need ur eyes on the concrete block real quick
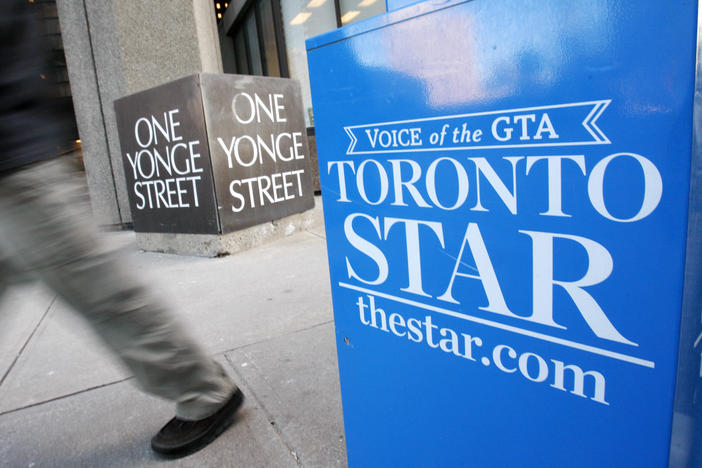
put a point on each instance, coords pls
(212, 245)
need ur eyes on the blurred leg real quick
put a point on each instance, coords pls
(46, 235)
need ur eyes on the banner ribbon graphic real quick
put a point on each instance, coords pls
(556, 125)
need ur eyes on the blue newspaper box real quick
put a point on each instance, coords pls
(511, 199)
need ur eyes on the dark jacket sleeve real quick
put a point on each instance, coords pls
(30, 124)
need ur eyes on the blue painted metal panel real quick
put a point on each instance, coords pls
(505, 187)
(380, 21)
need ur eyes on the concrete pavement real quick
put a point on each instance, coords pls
(265, 314)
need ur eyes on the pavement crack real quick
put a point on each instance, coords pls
(26, 342)
(268, 414)
(68, 395)
(315, 234)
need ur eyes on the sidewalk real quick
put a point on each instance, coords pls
(265, 314)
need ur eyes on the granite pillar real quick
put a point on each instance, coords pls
(116, 48)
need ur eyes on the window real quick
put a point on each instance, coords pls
(303, 19)
(267, 37)
(351, 11)
(252, 43)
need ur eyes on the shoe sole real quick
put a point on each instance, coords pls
(217, 429)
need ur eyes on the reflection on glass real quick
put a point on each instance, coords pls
(300, 18)
(349, 16)
(319, 17)
(242, 66)
(254, 49)
(357, 10)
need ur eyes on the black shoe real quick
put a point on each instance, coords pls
(180, 438)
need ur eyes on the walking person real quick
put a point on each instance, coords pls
(44, 235)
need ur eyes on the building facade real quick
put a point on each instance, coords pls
(115, 48)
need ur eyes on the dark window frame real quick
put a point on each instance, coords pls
(337, 10)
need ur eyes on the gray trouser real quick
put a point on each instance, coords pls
(43, 233)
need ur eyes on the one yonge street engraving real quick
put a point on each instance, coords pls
(247, 150)
(458, 193)
(165, 168)
(213, 154)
